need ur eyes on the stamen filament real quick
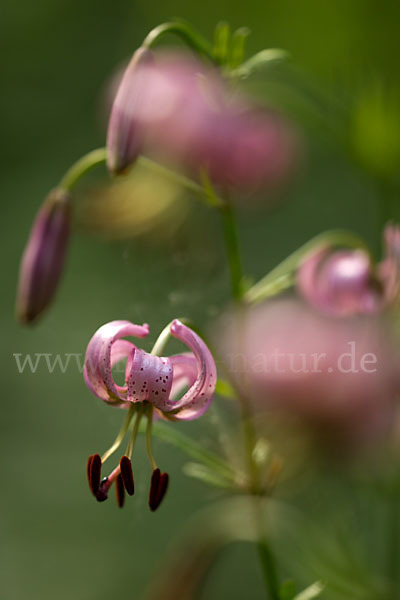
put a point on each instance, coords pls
(132, 440)
(148, 438)
(119, 439)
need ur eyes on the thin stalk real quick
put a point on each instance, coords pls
(266, 558)
(98, 157)
(268, 569)
(192, 38)
(82, 166)
(232, 249)
(173, 176)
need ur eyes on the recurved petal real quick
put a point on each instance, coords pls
(106, 349)
(198, 397)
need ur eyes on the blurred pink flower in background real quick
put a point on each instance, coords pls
(340, 373)
(345, 282)
(175, 108)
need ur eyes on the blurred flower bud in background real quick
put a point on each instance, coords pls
(175, 108)
(345, 282)
(43, 259)
(337, 375)
(125, 135)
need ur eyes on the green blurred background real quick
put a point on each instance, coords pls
(56, 542)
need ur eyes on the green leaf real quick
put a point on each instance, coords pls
(312, 591)
(207, 475)
(262, 60)
(193, 449)
(224, 389)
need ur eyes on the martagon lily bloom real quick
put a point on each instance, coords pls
(153, 387)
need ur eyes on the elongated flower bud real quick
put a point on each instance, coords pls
(125, 136)
(43, 259)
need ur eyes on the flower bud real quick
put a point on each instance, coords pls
(125, 135)
(43, 258)
(340, 283)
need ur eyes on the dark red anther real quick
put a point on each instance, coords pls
(163, 486)
(95, 473)
(127, 475)
(88, 467)
(120, 491)
(158, 488)
(153, 494)
(102, 492)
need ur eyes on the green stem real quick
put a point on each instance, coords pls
(164, 337)
(185, 182)
(268, 569)
(82, 166)
(192, 38)
(97, 157)
(235, 267)
(232, 249)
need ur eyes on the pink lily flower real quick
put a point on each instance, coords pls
(152, 387)
(345, 283)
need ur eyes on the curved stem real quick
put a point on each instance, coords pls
(98, 157)
(192, 38)
(82, 166)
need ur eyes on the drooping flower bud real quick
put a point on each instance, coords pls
(125, 129)
(173, 107)
(43, 259)
(340, 283)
